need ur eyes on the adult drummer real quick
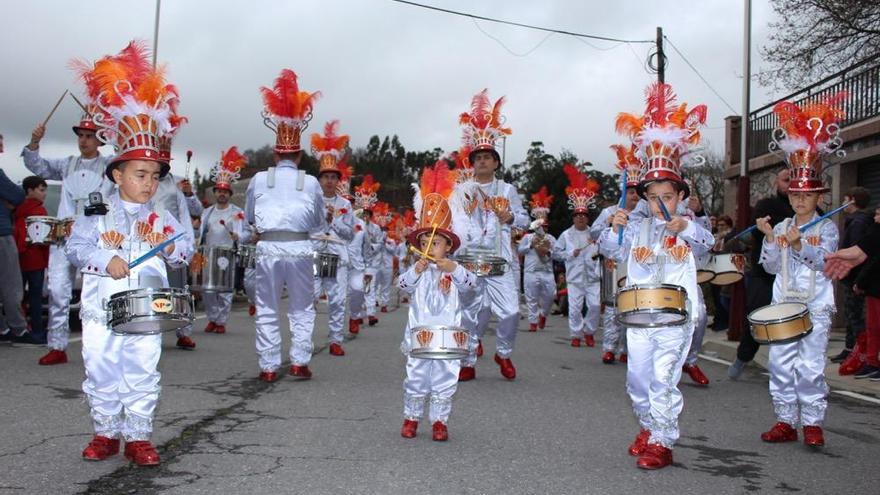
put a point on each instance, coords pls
(483, 222)
(80, 175)
(222, 225)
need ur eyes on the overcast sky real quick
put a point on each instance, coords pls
(382, 67)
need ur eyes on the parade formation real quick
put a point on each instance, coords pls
(632, 270)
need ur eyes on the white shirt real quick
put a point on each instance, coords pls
(79, 177)
(217, 224)
(533, 262)
(584, 267)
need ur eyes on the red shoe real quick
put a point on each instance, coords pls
(360, 321)
(781, 432)
(813, 436)
(405, 300)
(575, 342)
(640, 443)
(142, 453)
(101, 448)
(220, 329)
(252, 310)
(533, 327)
(507, 369)
(696, 374)
(354, 327)
(383, 309)
(542, 322)
(655, 457)
(268, 376)
(590, 340)
(210, 327)
(53, 357)
(336, 350)
(408, 430)
(372, 320)
(301, 371)
(608, 357)
(622, 357)
(439, 433)
(467, 373)
(186, 343)
(479, 348)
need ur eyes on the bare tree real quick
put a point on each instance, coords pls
(815, 38)
(708, 182)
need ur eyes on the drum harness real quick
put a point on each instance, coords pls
(789, 291)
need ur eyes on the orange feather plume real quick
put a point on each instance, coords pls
(330, 140)
(483, 114)
(232, 160)
(437, 179)
(797, 121)
(368, 186)
(285, 100)
(409, 218)
(541, 199)
(132, 64)
(344, 172)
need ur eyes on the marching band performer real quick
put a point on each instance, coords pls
(581, 257)
(536, 246)
(366, 244)
(122, 380)
(286, 206)
(436, 285)
(222, 226)
(484, 210)
(80, 176)
(659, 251)
(693, 211)
(385, 256)
(797, 369)
(330, 149)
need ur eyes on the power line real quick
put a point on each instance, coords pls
(689, 64)
(524, 54)
(511, 23)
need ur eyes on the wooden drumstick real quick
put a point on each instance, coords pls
(57, 103)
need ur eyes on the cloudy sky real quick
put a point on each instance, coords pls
(382, 67)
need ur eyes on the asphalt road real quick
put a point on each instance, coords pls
(562, 426)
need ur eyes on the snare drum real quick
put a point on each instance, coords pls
(652, 306)
(326, 265)
(438, 342)
(483, 265)
(608, 282)
(149, 311)
(62, 230)
(40, 230)
(705, 273)
(728, 268)
(621, 273)
(780, 323)
(216, 272)
(247, 256)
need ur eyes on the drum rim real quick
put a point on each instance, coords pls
(150, 291)
(437, 327)
(681, 312)
(801, 314)
(480, 258)
(40, 218)
(782, 341)
(654, 286)
(718, 274)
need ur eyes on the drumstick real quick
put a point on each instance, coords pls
(621, 205)
(84, 109)
(152, 252)
(804, 227)
(422, 254)
(55, 108)
(189, 155)
(664, 210)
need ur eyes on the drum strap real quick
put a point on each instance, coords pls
(284, 236)
(789, 292)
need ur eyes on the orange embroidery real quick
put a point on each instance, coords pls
(813, 240)
(642, 253)
(461, 338)
(679, 252)
(112, 239)
(424, 337)
(445, 283)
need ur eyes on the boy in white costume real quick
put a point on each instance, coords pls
(535, 247)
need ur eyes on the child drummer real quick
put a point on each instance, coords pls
(660, 250)
(122, 380)
(797, 369)
(435, 285)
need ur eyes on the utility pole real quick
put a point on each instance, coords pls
(156, 33)
(661, 58)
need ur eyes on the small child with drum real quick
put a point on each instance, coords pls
(122, 380)
(434, 340)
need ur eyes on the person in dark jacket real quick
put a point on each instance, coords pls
(10, 273)
(33, 258)
(867, 284)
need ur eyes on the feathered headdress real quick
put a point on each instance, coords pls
(227, 171)
(343, 188)
(805, 133)
(431, 203)
(365, 194)
(409, 221)
(330, 148)
(483, 124)
(382, 213)
(287, 111)
(628, 163)
(663, 135)
(581, 190)
(464, 170)
(540, 203)
(135, 104)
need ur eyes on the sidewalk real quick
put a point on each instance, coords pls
(715, 344)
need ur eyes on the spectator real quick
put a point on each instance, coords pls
(721, 294)
(867, 283)
(856, 225)
(10, 290)
(33, 258)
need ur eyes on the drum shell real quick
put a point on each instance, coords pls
(149, 311)
(62, 230)
(44, 228)
(782, 329)
(445, 342)
(608, 282)
(218, 272)
(483, 265)
(727, 267)
(246, 256)
(647, 300)
(326, 265)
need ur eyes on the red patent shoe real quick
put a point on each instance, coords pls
(210, 327)
(696, 374)
(640, 443)
(655, 457)
(467, 373)
(186, 343)
(372, 320)
(101, 448)
(53, 357)
(533, 327)
(622, 358)
(575, 342)
(479, 348)
(142, 453)
(781, 432)
(301, 371)
(439, 433)
(268, 376)
(252, 310)
(590, 341)
(813, 436)
(542, 322)
(220, 329)
(408, 430)
(507, 369)
(336, 350)
(608, 357)
(383, 309)
(354, 327)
